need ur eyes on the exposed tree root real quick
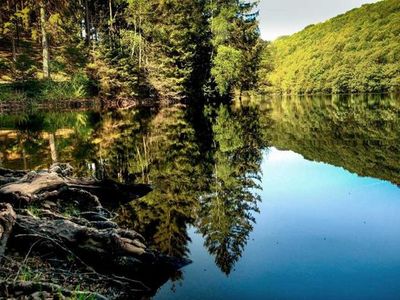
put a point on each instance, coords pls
(7, 221)
(63, 218)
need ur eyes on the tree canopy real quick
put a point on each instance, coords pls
(358, 51)
(170, 49)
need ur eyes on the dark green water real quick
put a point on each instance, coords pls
(293, 198)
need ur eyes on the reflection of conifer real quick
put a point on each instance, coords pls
(174, 175)
(226, 217)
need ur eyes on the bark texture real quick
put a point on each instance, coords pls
(62, 217)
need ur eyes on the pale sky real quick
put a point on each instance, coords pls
(284, 17)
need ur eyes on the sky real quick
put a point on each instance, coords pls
(285, 17)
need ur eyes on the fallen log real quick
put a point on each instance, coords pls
(39, 186)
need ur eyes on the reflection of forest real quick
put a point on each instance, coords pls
(206, 179)
(227, 213)
(212, 188)
(358, 133)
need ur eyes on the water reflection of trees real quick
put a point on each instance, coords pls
(227, 212)
(117, 137)
(35, 141)
(206, 179)
(212, 188)
(360, 133)
(175, 174)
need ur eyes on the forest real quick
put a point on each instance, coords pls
(358, 51)
(180, 50)
(127, 48)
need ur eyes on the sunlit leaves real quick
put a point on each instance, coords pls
(226, 69)
(354, 52)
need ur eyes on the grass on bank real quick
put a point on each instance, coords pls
(36, 90)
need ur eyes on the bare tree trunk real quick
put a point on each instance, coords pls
(45, 43)
(140, 44)
(16, 24)
(14, 51)
(87, 23)
(111, 16)
(53, 149)
(13, 46)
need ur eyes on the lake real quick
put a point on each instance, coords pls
(278, 198)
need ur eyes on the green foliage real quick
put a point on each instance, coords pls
(354, 52)
(235, 40)
(25, 67)
(133, 48)
(78, 87)
(360, 133)
(27, 274)
(227, 211)
(39, 90)
(222, 26)
(226, 69)
(174, 174)
(8, 92)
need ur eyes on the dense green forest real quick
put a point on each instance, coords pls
(201, 49)
(127, 48)
(355, 52)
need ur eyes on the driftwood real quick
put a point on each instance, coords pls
(63, 216)
(39, 186)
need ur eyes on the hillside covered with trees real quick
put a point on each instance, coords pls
(358, 51)
(127, 48)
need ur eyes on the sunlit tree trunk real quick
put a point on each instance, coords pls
(111, 16)
(13, 44)
(45, 42)
(53, 150)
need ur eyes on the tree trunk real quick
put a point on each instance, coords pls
(14, 51)
(111, 26)
(140, 44)
(45, 42)
(53, 149)
(87, 24)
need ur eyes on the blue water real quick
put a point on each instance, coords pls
(322, 233)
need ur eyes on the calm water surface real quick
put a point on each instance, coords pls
(292, 198)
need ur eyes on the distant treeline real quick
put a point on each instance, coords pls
(355, 52)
